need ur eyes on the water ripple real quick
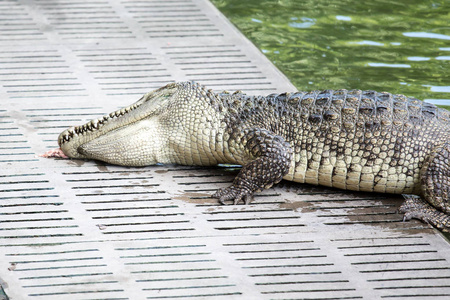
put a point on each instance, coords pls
(427, 35)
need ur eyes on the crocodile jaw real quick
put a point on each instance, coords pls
(129, 136)
(138, 144)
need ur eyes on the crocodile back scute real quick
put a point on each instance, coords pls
(352, 139)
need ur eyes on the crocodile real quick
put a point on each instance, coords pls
(349, 139)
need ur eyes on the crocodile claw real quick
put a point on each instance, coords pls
(416, 208)
(232, 193)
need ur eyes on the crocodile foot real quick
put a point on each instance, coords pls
(415, 207)
(233, 193)
(269, 157)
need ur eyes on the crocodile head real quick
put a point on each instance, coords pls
(130, 136)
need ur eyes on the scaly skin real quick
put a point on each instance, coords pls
(354, 140)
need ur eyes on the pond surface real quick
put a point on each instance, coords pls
(398, 46)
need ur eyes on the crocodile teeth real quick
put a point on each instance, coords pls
(94, 124)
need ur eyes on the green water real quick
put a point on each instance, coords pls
(399, 46)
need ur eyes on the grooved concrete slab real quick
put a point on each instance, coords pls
(86, 230)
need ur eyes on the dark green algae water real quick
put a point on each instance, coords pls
(400, 46)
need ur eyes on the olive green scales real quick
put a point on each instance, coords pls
(355, 140)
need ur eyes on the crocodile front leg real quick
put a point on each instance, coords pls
(270, 158)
